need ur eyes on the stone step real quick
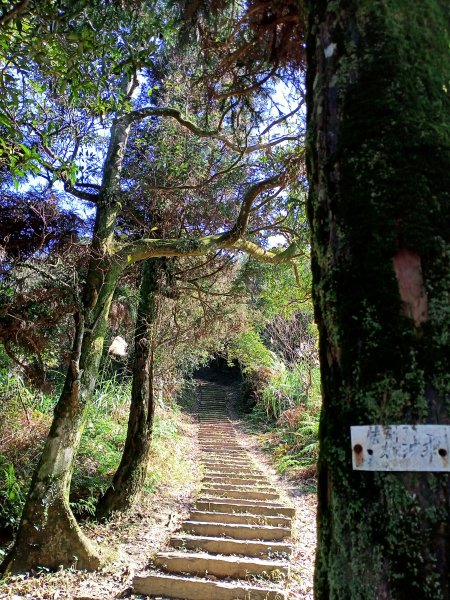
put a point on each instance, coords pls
(217, 431)
(258, 480)
(226, 440)
(255, 507)
(210, 440)
(208, 437)
(209, 434)
(226, 451)
(232, 453)
(220, 415)
(239, 514)
(230, 461)
(226, 447)
(236, 531)
(233, 487)
(201, 564)
(189, 588)
(214, 414)
(230, 471)
(243, 518)
(238, 471)
(230, 468)
(219, 411)
(212, 403)
(241, 495)
(222, 545)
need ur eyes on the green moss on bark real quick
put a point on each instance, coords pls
(379, 167)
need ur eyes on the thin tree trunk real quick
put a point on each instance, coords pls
(130, 476)
(48, 534)
(379, 165)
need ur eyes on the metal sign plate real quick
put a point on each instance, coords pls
(401, 447)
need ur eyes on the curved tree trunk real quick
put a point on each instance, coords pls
(48, 534)
(130, 476)
(379, 207)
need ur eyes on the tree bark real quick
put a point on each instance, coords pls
(48, 534)
(379, 208)
(130, 476)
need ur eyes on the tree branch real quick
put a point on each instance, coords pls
(80, 193)
(231, 240)
(215, 134)
(150, 248)
(252, 193)
(196, 186)
(250, 89)
(14, 12)
(283, 118)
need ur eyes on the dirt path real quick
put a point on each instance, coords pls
(148, 531)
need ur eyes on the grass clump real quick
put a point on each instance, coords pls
(286, 417)
(170, 447)
(25, 419)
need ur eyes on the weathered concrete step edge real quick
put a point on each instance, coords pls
(201, 564)
(227, 462)
(241, 501)
(216, 451)
(237, 531)
(235, 517)
(241, 495)
(220, 545)
(218, 468)
(214, 414)
(227, 447)
(188, 588)
(229, 472)
(227, 450)
(221, 436)
(254, 507)
(238, 487)
(256, 480)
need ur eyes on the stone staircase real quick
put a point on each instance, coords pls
(234, 544)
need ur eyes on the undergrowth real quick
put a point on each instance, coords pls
(25, 418)
(286, 418)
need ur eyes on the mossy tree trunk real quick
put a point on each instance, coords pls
(48, 534)
(130, 476)
(379, 207)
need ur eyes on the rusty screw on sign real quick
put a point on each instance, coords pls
(358, 450)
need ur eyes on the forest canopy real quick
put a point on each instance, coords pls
(153, 156)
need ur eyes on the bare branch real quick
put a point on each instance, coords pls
(208, 275)
(82, 195)
(283, 118)
(297, 275)
(270, 144)
(92, 186)
(199, 266)
(248, 90)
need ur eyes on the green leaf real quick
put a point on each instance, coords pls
(26, 150)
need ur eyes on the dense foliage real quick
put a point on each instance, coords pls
(122, 142)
